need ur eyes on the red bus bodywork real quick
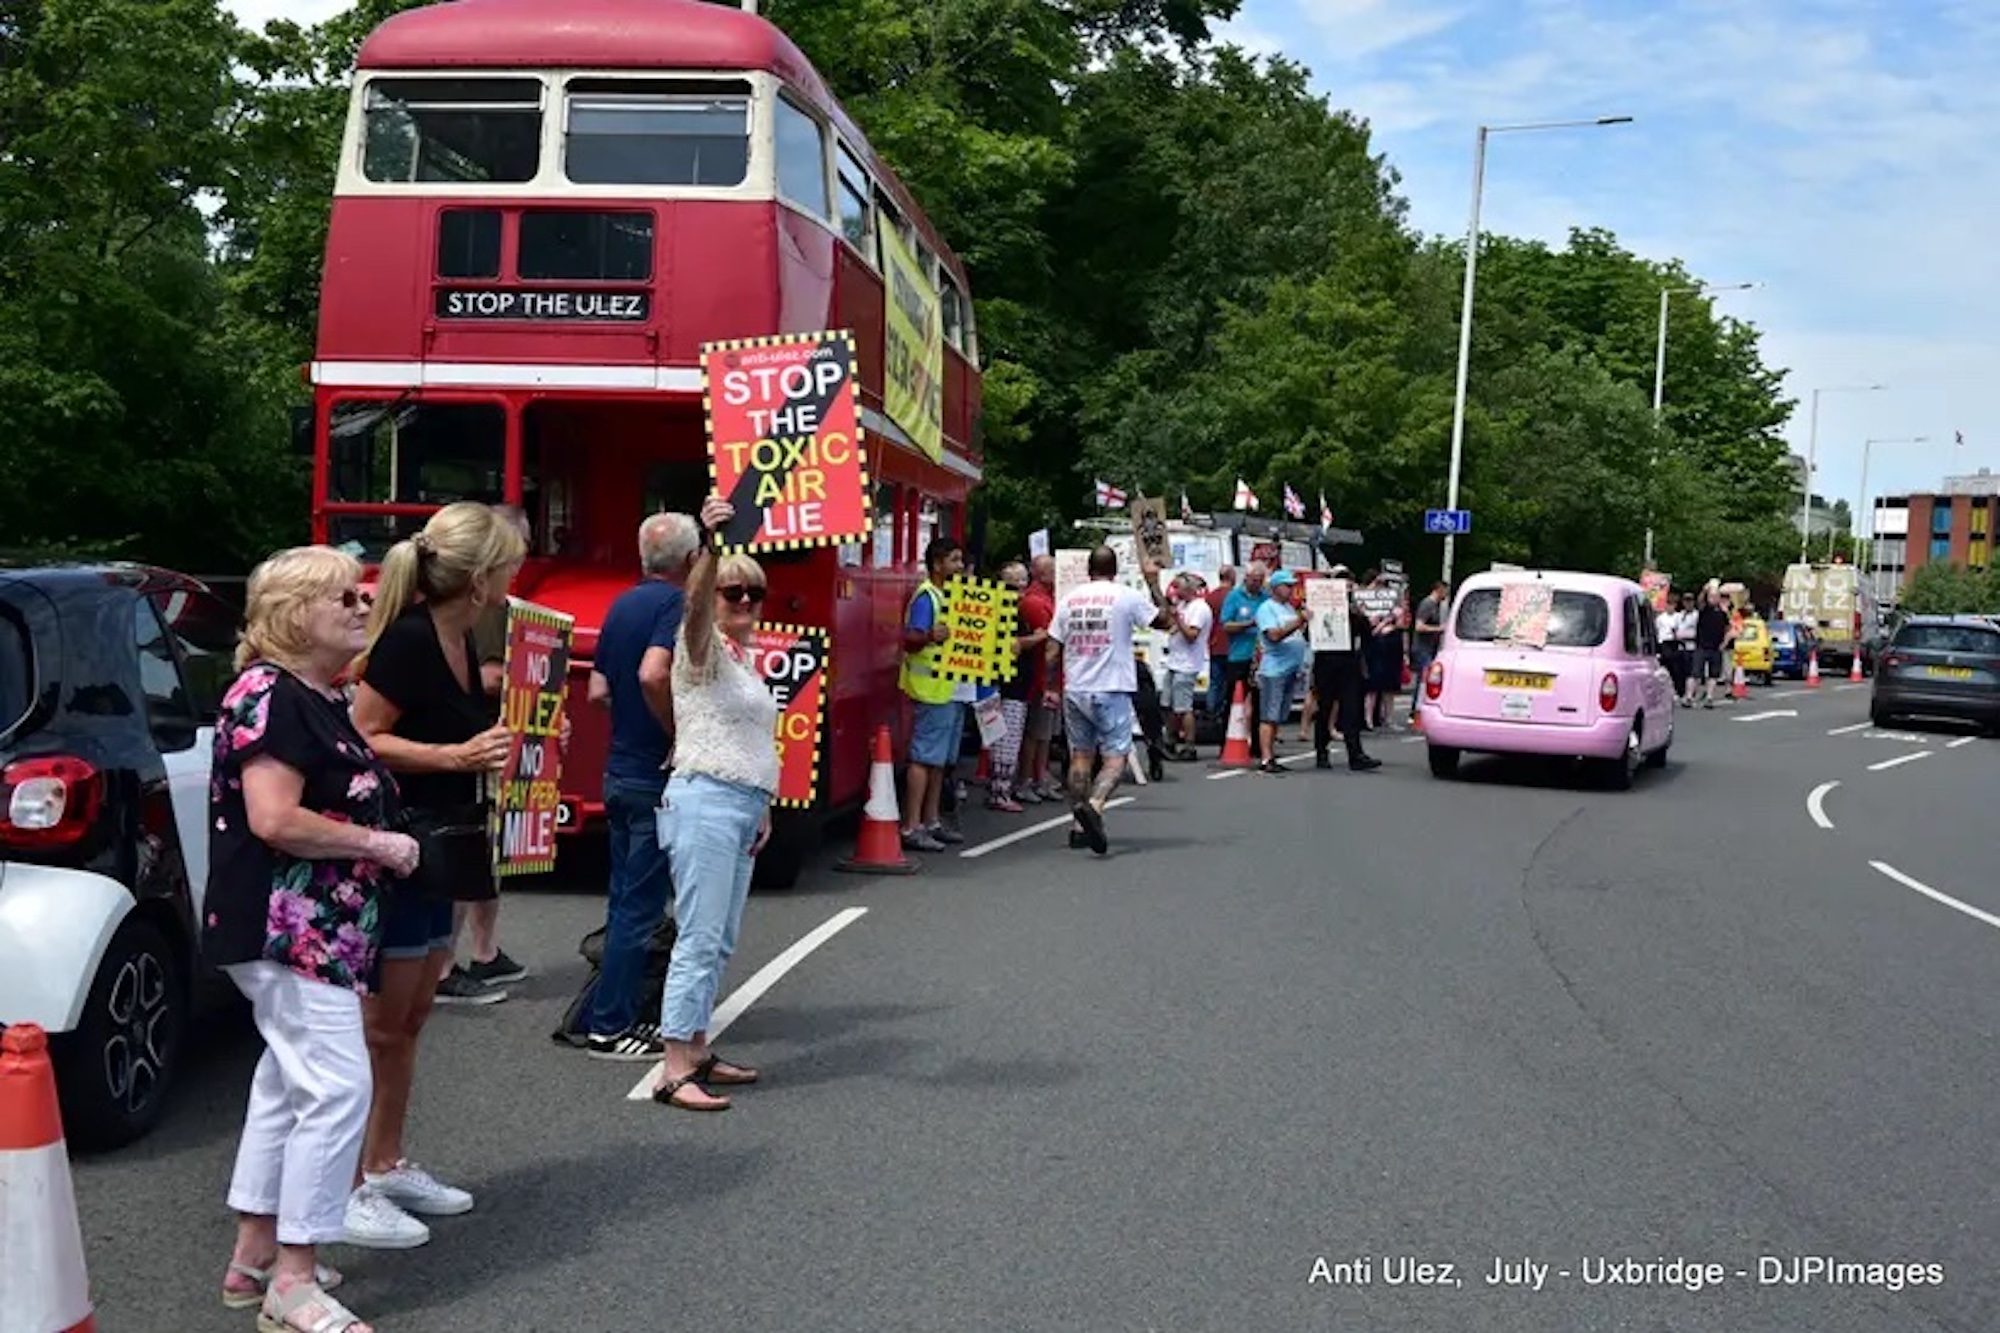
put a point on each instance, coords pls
(451, 365)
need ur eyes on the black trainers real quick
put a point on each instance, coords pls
(1367, 763)
(459, 987)
(641, 1042)
(1093, 826)
(1321, 760)
(497, 970)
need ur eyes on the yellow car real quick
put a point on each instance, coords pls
(1754, 650)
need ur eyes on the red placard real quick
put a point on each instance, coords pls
(784, 441)
(530, 786)
(792, 661)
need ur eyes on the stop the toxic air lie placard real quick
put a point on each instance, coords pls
(791, 659)
(784, 441)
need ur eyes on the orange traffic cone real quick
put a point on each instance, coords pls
(47, 1291)
(1236, 744)
(1739, 686)
(1812, 670)
(879, 848)
(1854, 668)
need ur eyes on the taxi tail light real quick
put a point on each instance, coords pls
(1607, 692)
(1434, 680)
(1894, 660)
(48, 801)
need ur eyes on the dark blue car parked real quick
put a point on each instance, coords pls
(1791, 646)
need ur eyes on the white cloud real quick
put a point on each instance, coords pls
(1361, 28)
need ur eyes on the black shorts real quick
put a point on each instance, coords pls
(1708, 663)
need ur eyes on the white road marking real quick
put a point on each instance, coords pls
(1786, 694)
(1852, 685)
(1962, 740)
(1899, 759)
(1929, 892)
(1775, 712)
(1910, 737)
(1816, 804)
(1843, 731)
(1022, 835)
(1286, 760)
(752, 990)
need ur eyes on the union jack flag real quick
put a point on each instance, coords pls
(1109, 496)
(1294, 507)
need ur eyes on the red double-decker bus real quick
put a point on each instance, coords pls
(542, 211)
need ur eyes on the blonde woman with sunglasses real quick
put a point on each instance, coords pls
(716, 814)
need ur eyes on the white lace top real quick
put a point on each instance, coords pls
(725, 719)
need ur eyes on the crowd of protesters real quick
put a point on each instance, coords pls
(353, 760)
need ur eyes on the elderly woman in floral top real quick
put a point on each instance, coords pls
(302, 852)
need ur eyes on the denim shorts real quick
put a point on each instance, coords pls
(1180, 691)
(1274, 697)
(936, 734)
(1098, 723)
(414, 924)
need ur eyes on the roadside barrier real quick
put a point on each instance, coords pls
(41, 1243)
(878, 848)
(1236, 744)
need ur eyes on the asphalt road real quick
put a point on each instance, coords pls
(1366, 1019)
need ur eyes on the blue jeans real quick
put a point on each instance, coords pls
(1098, 723)
(1218, 688)
(712, 825)
(641, 884)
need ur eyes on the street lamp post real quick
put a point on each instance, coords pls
(1660, 383)
(1812, 459)
(1866, 446)
(1465, 313)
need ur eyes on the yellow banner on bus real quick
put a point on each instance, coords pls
(912, 347)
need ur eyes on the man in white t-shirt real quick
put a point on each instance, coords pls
(1187, 654)
(1092, 640)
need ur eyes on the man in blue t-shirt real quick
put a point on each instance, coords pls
(1281, 630)
(632, 678)
(1239, 622)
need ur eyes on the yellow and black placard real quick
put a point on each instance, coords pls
(982, 615)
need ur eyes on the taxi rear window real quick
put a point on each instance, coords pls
(1576, 619)
(1949, 639)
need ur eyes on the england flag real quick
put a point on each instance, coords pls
(1109, 496)
(1325, 514)
(1245, 497)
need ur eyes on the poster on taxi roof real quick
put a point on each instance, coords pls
(784, 441)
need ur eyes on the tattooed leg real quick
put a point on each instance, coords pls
(1107, 780)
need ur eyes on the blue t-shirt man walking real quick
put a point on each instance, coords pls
(631, 677)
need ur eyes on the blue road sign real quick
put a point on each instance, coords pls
(1438, 522)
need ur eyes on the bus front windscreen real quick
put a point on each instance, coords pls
(409, 454)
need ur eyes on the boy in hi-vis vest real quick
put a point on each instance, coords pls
(938, 728)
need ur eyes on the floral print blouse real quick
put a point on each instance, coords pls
(319, 918)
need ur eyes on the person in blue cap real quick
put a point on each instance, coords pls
(1281, 637)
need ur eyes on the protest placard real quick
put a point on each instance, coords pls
(1326, 616)
(1038, 542)
(784, 441)
(523, 818)
(981, 615)
(1149, 530)
(1524, 614)
(792, 661)
(1072, 570)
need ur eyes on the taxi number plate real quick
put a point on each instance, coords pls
(1518, 680)
(1517, 707)
(1952, 673)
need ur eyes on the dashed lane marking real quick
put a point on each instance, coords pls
(1022, 835)
(750, 991)
(1884, 868)
(1287, 760)
(1848, 730)
(1899, 759)
(1962, 740)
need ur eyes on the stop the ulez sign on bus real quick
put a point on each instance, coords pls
(784, 441)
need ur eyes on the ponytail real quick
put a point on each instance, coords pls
(395, 590)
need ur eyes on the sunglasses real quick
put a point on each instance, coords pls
(738, 593)
(353, 599)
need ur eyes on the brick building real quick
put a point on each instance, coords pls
(1955, 524)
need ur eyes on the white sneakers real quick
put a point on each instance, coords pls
(378, 1213)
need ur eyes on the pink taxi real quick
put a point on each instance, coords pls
(1553, 663)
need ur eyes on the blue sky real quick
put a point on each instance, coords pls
(1836, 151)
(1839, 152)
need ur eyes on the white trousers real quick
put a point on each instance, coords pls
(308, 1104)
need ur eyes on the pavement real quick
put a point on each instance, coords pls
(1322, 1051)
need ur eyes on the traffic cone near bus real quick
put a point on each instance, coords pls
(878, 850)
(1854, 668)
(47, 1291)
(1739, 684)
(1236, 743)
(1812, 669)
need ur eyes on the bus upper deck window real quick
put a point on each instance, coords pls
(655, 138)
(802, 160)
(468, 131)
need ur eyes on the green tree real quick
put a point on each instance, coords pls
(1951, 589)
